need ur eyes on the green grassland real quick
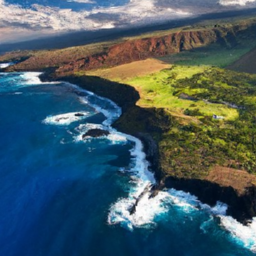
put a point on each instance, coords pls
(195, 141)
(162, 90)
(214, 54)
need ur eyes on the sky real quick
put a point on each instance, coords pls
(71, 15)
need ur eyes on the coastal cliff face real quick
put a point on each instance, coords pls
(241, 206)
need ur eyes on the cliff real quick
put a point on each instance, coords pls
(140, 49)
(109, 54)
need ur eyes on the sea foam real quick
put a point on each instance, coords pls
(244, 235)
(114, 137)
(67, 118)
(5, 65)
(31, 78)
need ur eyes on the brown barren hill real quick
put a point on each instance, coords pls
(126, 71)
(229, 177)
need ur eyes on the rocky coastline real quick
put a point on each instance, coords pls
(148, 124)
(242, 206)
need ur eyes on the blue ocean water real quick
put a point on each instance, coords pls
(61, 194)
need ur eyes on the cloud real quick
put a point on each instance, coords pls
(135, 12)
(236, 2)
(82, 1)
(39, 16)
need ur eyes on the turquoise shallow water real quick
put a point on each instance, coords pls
(62, 195)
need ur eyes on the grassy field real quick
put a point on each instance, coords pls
(158, 90)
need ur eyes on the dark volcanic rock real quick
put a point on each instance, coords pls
(241, 207)
(95, 133)
(79, 114)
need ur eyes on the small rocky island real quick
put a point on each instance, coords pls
(95, 133)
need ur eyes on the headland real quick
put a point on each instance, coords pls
(195, 118)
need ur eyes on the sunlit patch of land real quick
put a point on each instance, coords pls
(159, 90)
(128, 71)
(238, 179)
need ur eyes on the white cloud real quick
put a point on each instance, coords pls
(136, 11)
(82, 1)
(133, 13)
(236, 2)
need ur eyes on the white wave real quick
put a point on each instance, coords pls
(184, 200)
(244, 235)
(114, 137)
(31, 77)
(18, 80)
(146, 210)
(82, 128)
(5, 65)
(110, 110)
(220, 209)
(236, 2)
(149, 208)
(67, 118)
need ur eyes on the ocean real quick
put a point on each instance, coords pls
(62, 194)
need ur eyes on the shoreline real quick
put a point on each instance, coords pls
(241, 207)
(140, 199)
(176, 212)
